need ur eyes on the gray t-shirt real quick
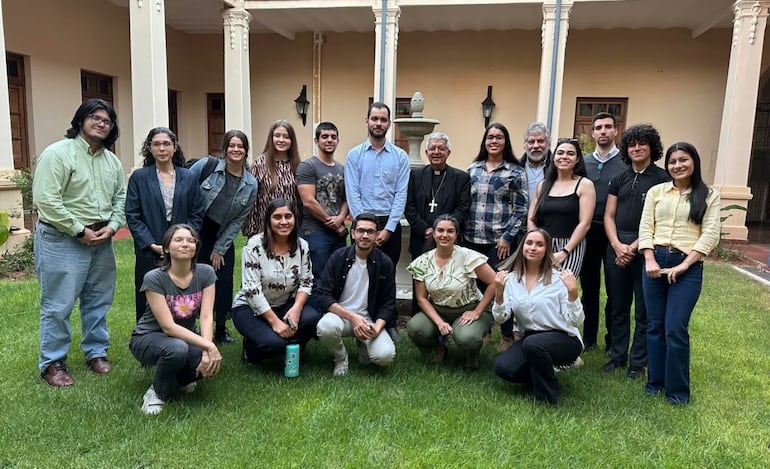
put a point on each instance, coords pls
(329, 188)
(184, 303)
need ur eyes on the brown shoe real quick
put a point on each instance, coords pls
(505, 342)
(439, 353)
(99, 365)
(56, 375)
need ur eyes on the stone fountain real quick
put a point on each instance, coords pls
(415, 129)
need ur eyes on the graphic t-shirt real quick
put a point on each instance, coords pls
(184, 303)
(329, 188)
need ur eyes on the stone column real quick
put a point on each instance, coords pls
(315, 100)
(736, 134)
(237, 77)
(10, 195)
(149, 81)
(548, 97)
(385, 54)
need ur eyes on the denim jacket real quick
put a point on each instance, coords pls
(239, 207)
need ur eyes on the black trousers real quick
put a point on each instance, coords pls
(490, 250)
(223, 293)
(530, 361)
(392, 248)
(590, 283)
(624, 285)
(145, 261)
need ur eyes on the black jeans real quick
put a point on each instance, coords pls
(174, 359)
(624, 285)
(223, 293)
(530, 361)
(590, 283)
(490, 250)
(145, 261)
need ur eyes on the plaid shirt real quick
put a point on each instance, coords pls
(499, 203)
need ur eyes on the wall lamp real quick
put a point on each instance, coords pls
(302, 104)
(486, 106)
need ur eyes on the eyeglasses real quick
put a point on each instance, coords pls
(162, 144)
(364, 231)
(98, 120)
(437, 149)
(498, 138)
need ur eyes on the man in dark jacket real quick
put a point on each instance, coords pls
(358, 291)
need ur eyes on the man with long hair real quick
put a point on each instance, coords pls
(79, 191)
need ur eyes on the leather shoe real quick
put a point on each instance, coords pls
(635, 373)
(56, 375)
(611, 366)
(99, 365)
(222, 336)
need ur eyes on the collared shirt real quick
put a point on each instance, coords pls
(73, 187)
(270, 280)
(377, 182)
(630, 187)
(544, 308)
(535, 174)
(665, 221)
(499, 203)
(600, 171)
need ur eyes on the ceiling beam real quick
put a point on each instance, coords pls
(288, 34)
(713, 18)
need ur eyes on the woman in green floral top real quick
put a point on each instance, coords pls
(447, 294)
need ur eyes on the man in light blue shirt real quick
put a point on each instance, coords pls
(537, 154)
(377, 179)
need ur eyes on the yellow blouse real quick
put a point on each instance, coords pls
(665, 221)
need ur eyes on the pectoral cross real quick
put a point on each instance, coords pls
(432, 205)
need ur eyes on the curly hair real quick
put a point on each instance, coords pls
(641, 133)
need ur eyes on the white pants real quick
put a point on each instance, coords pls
(332, 328)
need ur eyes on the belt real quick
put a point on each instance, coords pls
(93, 226)
(669, 249)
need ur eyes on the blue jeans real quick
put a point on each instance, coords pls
(68, 271)
(668, 314)
(322, 242)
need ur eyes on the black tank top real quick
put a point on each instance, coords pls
(560, 215)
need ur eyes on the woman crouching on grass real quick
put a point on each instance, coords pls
(178, 292)
(547, 315)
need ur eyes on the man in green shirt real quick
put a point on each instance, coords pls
(79, 192)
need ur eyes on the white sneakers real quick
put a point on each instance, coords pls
(189, 388)
(152, 404)
(341, 365)
(576, 364)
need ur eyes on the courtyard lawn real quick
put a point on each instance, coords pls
(411, 415)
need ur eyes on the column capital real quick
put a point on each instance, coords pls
(549, 9)
(156, 4)
(747, 14)
(235, 19)
(392, 12)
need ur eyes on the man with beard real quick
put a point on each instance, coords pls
(358, 291)
(537, 154)
(377, 179)
(602, 165)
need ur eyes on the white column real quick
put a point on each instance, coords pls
(546, 97)
(149, 81)
(385, 54)
(237, 77)
(315, 96)
(6, 143)
(736, 134)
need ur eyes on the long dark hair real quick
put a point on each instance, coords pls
(88, 108)
(229, 135)
(516, 263)
(269, 151)
(700, 190)
(267, 239)
(177, 159)
(551, 173)
(508, 154)
(165, 262)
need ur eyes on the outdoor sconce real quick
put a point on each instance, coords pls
(302, 103)
(486, 106)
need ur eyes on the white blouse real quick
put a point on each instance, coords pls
(545, 308)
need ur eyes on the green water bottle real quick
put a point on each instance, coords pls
(291, 368)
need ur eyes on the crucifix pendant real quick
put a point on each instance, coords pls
(432, 205)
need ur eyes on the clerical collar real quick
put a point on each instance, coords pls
(437, 172)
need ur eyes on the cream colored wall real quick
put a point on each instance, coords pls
(58, 47)
(671, 80)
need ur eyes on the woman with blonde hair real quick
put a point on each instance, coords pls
(275, 170)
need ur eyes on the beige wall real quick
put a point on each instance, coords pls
(671, 80)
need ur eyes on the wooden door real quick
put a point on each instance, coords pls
(215, 112)
(18, 106)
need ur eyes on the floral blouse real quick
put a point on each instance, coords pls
(269, 279)
(453, 285)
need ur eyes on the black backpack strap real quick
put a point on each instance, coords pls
(211, 165)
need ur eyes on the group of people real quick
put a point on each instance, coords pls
(503, 242)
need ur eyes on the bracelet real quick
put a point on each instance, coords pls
(565, 251)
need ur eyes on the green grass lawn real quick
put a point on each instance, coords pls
(411, 415)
